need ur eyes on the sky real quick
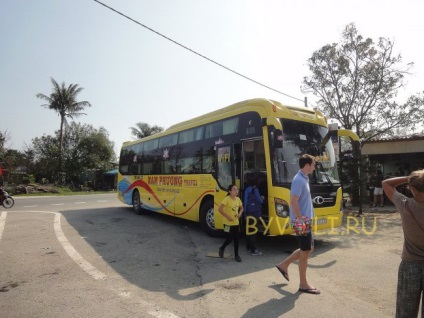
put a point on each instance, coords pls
(131, 74)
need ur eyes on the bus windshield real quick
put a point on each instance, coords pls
(303, 138)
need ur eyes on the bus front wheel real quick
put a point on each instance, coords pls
(137, 203)
(207, 219)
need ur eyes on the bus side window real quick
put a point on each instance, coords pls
(124, 169)
(208, 164)
(147, 168)
(135, 169)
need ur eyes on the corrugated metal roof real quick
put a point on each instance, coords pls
(412, 144)
(397, 138)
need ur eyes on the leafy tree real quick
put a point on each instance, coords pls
(63, 100)
(356, 82)
(13, 158)
(87, 149)
(4, 138)
(28, 159)
(142, 130)
(10, 161)
(46, 156)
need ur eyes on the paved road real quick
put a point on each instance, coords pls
(90, 256)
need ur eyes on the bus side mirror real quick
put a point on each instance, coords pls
(272, 121)
(356, 144)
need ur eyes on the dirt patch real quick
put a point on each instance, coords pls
(34, 189)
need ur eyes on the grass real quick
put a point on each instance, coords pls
(61, 193)
(52, 190)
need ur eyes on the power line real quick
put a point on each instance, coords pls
(187, 48)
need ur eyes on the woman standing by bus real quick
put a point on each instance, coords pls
(231, 208)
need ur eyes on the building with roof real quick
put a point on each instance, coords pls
(398, 155)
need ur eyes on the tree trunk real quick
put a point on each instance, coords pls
(62, 121)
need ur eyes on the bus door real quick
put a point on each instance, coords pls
(225, 166)
(225, 176)
(253, 167)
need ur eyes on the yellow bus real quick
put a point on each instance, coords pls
(185, 171)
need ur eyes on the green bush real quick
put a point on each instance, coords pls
(29, 178)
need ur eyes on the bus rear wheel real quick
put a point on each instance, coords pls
(137, 203)
(207, 220)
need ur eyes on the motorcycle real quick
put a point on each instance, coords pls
(5, 199)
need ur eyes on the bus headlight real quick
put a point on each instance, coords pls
(281, 208)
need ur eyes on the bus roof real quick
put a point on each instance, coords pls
(261, 105)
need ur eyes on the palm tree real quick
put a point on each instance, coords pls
(142, 130)
(63, 100)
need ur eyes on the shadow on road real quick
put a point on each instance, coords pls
(275, 307)
(165, 254)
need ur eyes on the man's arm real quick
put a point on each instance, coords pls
(389, 185)
(294, 202)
